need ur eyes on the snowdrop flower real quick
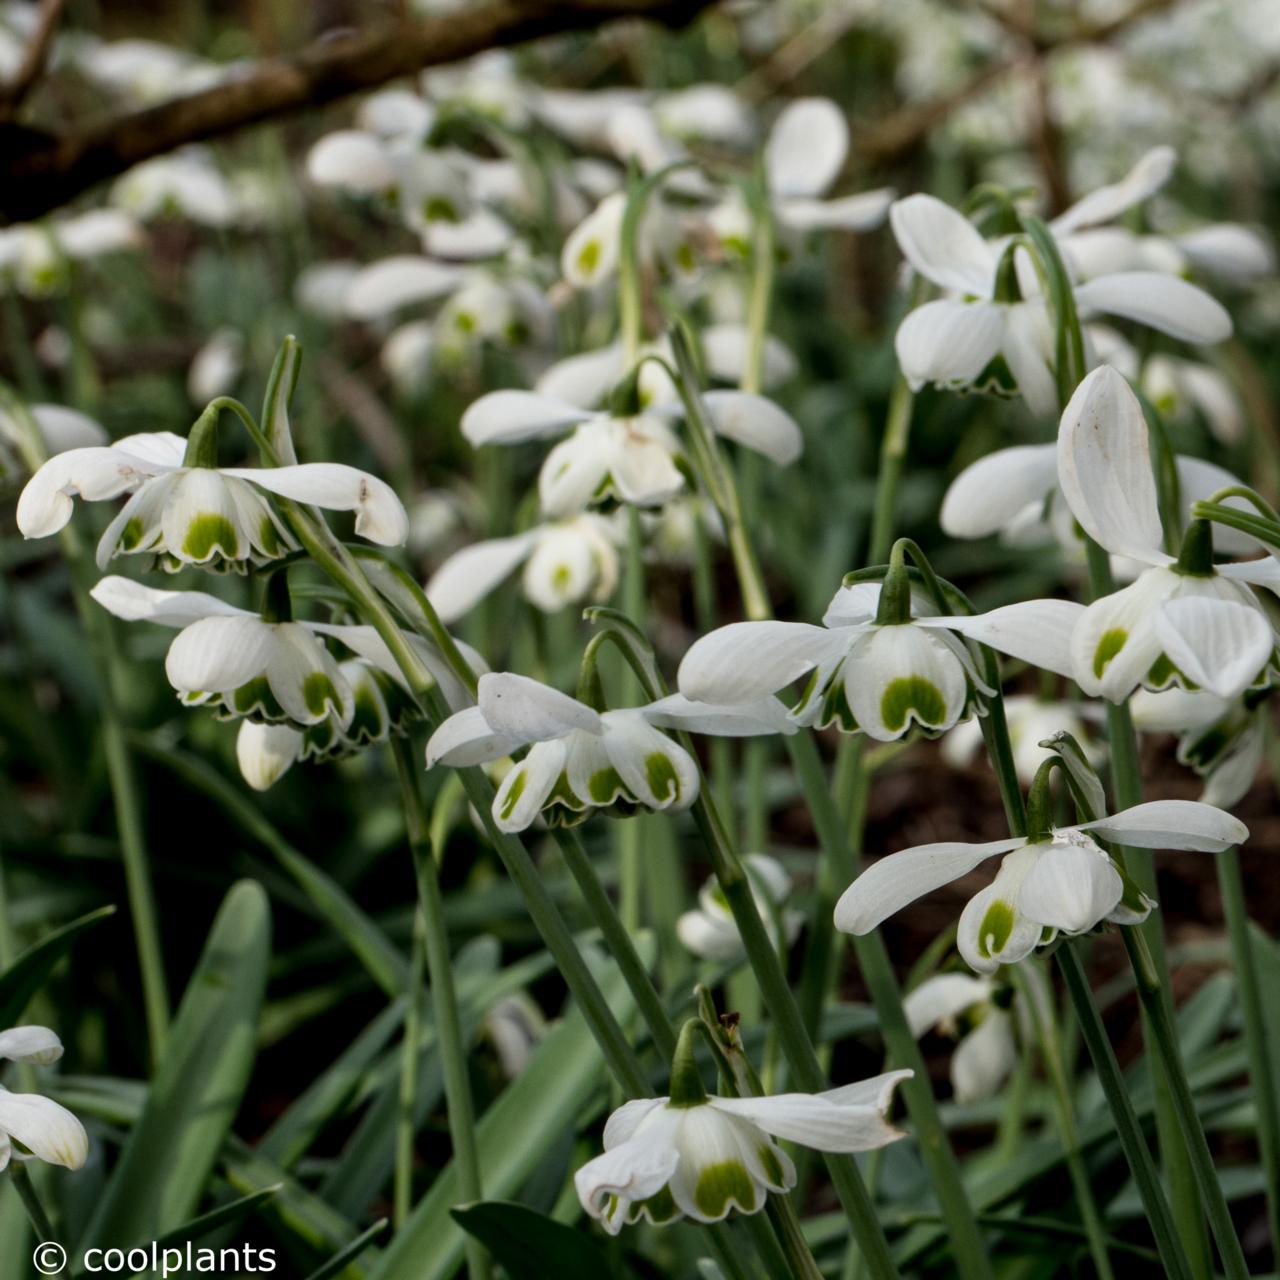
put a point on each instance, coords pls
(1222, 739)
(185, 185)
(266, 751)
(180, 514)
(277, 672)
(1180, 389)
(700, 1156)
(1055, 880)
(978, 338)
(705, 113)
(1031, 720)
(666, 237)
(583, 760)
(321, 288)
(1014, 493)
(566, 562)
(710, 931)
(47, 1130)
(635, 458)
(40, 257)
(146, 71)
(1182, 622)
(514, 1026)
(878, 677)
(803, 156)
(216, 367)
(60, 429)
(975, 1012)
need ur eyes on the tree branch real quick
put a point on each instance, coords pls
(41, 171)
(33, 63)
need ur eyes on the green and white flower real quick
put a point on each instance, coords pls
(1059, 881)
(216, 518)
(877, 677)
(46, 1130)
(1184, 622)
(582, 760)
(694, 1155)
(711, 933)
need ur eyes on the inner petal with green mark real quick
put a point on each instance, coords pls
(723, 1183)
(519, 780)
(1110, 643)
(996, 928)
(208, 533)
(318, 693)
(589, 257)
(664, 782)
(912, 695)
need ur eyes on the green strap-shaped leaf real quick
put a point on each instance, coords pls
(197, 1089)
(529, 1244)
(29, 972)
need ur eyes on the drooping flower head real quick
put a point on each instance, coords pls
(46, 1130)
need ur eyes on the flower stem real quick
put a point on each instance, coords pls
(1151, 991)
(444, 998)
(1046, 1033)
(402, 1197)
(1261, 1064)
(20, 1176)
(1168, 1242)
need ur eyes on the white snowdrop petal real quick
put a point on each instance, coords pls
(216, 655)
(583, 380)
(899, 676)
(748, 661)
(46, 1129)
(200, 520)
(1035, 631)
(947, 342)
(814, 1121)
(1229, 250)
(1159, 301)
(861, 212)
(466, 738)
(1071, 886)
(991, 492)
(941, 997)
(514, 704)
(351, 160)
(739, 720)
(943, 245)
(1172, 824)
(1104, 467)
(1218, 644)
(526, 787)
(64, 428)
(1114, 642)
(37, 1045)
(725, 350)
(658, 772)
(756, 422)
(984, 1059)
(806, 148)
(380, 515)
(631, 1171)
(266, 752)
(1146, 177)
(93, 474)
(891, 883)
(136, 602)
(391, 283)
(467, 576)
(505, 417)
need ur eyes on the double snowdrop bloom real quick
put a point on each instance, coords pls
(564, 563)
(1058, 880)
(275, 672)
(711, 933)
(974, 1012)
(634, 459)
(266, 751)
(877, 677)
(1186, 621)
(700, 1156)
(46, 1130)
(582, 760)
(1031, 720)
(181, 515)
(976, 339)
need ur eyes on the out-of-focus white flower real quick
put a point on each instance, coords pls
(705, 113)
(60, 429)
(1180, 388)
(321, 288)
(711, 933)
(183, 185)
(566, 562)
(216, 367)
(965, 1008)
(514, 1026)
(146, 71)
(47, 1130)
(1049, 882)
(40, 257)
(1031, 720)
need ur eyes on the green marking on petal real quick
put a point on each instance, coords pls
(685, 259)
(995, 929)
(561, 577)
(131, 534)
(464, 322)
(589, 257)
(720, 1183)
(256, 700)
(318, 693)
(269, 537)
(563, 794)
(663, 779)
(1108, 646)
(518, 781)
(660, 1207)
(439, 209)
(209, 533)
(604, 785)
(368, 724)
(908, 695)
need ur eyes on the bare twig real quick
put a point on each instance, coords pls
(37, 55)
(41, 171)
